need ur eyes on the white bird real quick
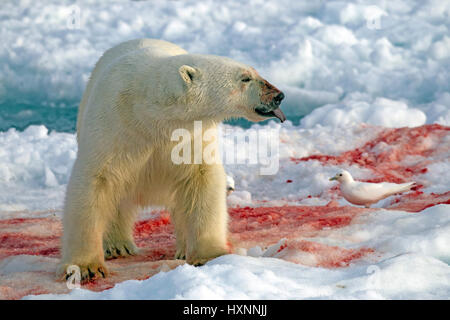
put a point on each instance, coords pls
(230, 185)
(366, 193)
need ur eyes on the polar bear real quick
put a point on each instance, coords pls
(140, 92)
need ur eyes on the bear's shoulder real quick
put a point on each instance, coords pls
(153, 47)
(134, 48)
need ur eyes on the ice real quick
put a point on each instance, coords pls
(351, 252)
(236, 277)
(35, 166)
(25, 263)
(411, 263)
(381, 112)
(441, 49)
(364, 81)
(318, 53)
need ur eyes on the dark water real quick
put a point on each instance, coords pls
(63, 119)
(247, 124)
(20, 116)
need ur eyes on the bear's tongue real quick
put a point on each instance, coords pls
(279, 114)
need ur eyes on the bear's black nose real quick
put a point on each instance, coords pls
(277, 99)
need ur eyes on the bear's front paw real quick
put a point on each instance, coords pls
(180, 254)
(87, 272)
(198, 262)
(120, 249)
(201, 259)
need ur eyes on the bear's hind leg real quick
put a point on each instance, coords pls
(118, 239)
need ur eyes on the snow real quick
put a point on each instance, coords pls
(317, 53)
(236, 277)
(381, 112)
(35, 167)
(408, 256)
(414, 265)
(367, 87)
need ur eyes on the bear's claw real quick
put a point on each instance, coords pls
(117, 250)
(180, 255)
(92, 272)
(199, 260)
(87, 272)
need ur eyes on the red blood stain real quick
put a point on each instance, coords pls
(266, 225)
(19, 221)
(19, 243)
(157, 236)
(417, 201)
(230, 247)
(385, 154)
(247, 225)
(396, 155)
(321, 255)
(282, 247)
(32, 236)
(16, 244)
(262, 226)
(146, 228)
(15, 221)
(269, 91)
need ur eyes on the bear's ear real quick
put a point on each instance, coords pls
(187, 73)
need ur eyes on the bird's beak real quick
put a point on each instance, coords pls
(229, 190)
(334, 178)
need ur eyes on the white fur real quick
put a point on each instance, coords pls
(139, 92)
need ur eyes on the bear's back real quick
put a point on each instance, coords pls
(153, 48)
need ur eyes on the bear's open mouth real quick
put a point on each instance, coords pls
(273, 113)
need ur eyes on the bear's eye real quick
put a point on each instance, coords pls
(246, 79)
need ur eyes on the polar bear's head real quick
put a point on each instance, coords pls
(221, 88)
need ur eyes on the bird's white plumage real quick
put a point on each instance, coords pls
(230, 184)
(365, 193)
